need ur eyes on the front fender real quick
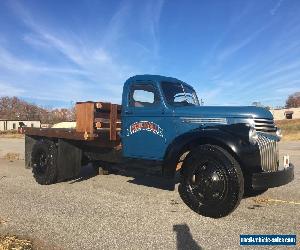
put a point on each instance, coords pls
(234, 138)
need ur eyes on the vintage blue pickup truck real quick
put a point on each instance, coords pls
(219, 152)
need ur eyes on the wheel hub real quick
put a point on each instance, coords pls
(208, 183)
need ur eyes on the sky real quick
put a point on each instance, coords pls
(54, 53)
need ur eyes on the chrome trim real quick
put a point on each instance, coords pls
(264, 125)
(204, 120)
(264, 120)
(269, 154)
(264, 128)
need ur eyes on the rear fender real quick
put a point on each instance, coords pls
(69, 156)
(69, 160)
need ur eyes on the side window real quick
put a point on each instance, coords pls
(143, 95)
(14, 126)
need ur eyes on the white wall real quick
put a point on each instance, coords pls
(2, 125)
(14, 125)
(65, 125)
(279, 113)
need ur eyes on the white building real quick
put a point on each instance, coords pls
(280, 114)
(65, 125)
(15, 124)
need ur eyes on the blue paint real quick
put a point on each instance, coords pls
(146, 142)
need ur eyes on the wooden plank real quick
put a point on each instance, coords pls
(101, 139)
(106, 129)
(71, 134)
(89, 118)
(105, 120)
(113, 122)
(85, 117)
(105, 106)
(101, 125)
(103, 115)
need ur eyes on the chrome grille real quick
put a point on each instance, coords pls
(264, 125)
(269, 154)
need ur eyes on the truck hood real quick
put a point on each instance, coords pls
(223, 112)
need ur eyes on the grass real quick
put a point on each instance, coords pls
(10, 134)
(290, 129)
(2, 221)
(11, 156)
(12, 242)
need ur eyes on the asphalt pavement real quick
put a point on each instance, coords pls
(124, 212)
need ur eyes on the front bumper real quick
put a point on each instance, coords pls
(265, 180)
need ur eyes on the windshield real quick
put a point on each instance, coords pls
(179, 94)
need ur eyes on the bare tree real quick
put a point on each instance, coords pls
(293, 101)
(14, 108)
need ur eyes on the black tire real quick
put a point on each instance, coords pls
(212, 182)
(44, 162)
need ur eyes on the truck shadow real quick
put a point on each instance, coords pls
(149, 176)
(184, 238)
(141, 175)
(86, 173)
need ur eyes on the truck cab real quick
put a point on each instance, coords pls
(148, 114)
(157, 110)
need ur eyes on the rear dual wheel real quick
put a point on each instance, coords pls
(212, 182)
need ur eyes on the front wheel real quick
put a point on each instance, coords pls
(212, 182)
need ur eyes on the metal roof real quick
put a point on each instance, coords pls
(155, 78)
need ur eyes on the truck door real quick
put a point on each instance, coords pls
(143, 124)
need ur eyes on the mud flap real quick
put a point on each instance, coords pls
(29, 142)
(69, 160)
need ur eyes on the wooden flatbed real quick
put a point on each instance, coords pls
(96, 122)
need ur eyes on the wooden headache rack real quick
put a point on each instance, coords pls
(99, 121)
(95, 118)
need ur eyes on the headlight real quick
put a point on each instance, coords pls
(252, 135)
(279, 133)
